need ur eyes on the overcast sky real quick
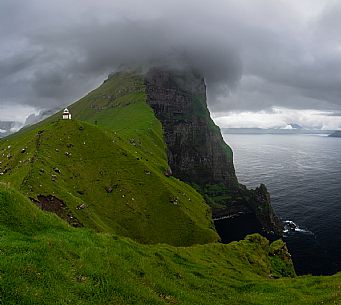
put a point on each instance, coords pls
(267, 63)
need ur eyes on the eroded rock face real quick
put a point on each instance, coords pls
(259, 202)
(197, 153)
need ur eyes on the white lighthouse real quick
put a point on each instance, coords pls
(66, 114)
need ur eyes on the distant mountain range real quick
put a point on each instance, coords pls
(336, 134)
(35, 118)
(275, 131)
(7, 127)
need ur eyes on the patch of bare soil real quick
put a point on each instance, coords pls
(53, 204)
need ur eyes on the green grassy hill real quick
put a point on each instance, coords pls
(105, 169)
(104, 173)
(45, 261)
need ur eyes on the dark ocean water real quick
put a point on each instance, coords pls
(303, 176)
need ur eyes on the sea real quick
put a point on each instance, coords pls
(303, 175)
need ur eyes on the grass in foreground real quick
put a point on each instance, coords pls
(44, 261)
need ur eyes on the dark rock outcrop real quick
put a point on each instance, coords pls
(53, 204)
(197, 152)
(259, 201)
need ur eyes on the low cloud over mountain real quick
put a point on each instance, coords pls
(255, 55)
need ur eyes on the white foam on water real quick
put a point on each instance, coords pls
(290, 226)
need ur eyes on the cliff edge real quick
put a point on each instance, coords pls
(197, 153)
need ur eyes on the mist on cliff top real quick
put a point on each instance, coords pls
(255, 55)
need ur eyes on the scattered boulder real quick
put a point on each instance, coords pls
(291, 225)
(168, 172)
(174, 200)
(81, 278)
(57, 170)
(23, 150)
(53, 177)
(81, 206)
(147, 172)
(108, 189)
(132, 142)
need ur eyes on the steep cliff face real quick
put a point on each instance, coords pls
(197, 152)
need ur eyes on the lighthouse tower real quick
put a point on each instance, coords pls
(66, 114)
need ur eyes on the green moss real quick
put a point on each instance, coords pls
(281, 260)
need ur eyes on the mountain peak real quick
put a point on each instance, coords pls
(295, 126)
(141, 157)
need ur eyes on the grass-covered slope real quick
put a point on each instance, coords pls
(108, 173)
(105, 170)
(45, 261)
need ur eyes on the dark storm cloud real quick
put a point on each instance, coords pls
(253, 54)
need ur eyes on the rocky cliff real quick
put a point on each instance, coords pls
(197, 152)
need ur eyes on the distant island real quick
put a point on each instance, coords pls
(274, 131)
(336, 134)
